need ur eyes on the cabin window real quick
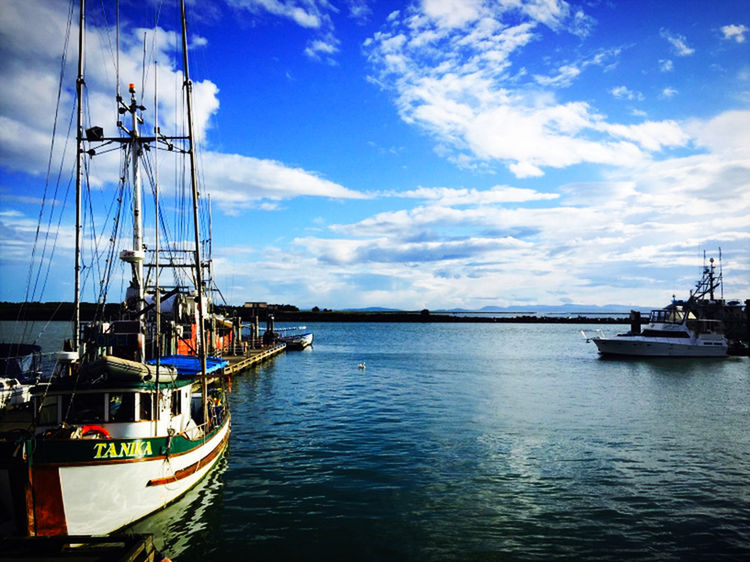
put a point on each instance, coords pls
(85, 408)
(176, 402)
(145, 408)
(121, 406)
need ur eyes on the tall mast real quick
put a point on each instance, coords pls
(157, 293)
(194, 183)
(79, 156)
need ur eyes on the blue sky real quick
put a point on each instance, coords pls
(438, 154)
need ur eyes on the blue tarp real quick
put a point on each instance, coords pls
(190, 365)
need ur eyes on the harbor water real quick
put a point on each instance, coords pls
(474, 442)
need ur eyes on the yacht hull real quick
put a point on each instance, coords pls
(637, 346)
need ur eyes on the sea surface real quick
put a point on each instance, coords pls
(474, 442)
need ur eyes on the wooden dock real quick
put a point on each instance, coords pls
(115, 548)
(238, 363)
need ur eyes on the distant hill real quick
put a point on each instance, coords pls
(556, 309)
(372, 309)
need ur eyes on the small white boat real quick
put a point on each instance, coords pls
(14, 393)
(298, 341)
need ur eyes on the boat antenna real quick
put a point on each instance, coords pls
(79, 157)
(721, 276)
(196, 226)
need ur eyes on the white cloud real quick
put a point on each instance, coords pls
(313, 15)
(31, 74)
(727, 133)
(303, 13)
(453, 79)
(666, 65)
(736, 32)
(452, 13)
(496, 195)
(623, 92)
(566, 75)
(678, 42)
(652, 136)
(606, 240)
(322, 48)
(238, 182)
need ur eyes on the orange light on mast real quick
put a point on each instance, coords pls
(132, 88)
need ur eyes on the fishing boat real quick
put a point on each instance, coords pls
(681, 329)
(135, 413)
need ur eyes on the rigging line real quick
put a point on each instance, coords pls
(95, 239)
(63, 58)
(105, 32)
(48, 231)
(54, 240)
(104, 285)
(144, 71)
(104, 288)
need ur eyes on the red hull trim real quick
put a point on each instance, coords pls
(46, 509)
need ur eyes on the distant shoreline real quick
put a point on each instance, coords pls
(437, 317)
(63, 312)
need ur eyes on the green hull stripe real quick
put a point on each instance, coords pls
(63, 452)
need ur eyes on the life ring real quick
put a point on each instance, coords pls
(95, 429)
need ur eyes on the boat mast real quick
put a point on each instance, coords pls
(79, 156)
(157, 293)
(135, 148)
(194, 183)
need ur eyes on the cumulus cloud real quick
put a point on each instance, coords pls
(735, 32)
(30, 63)
(604, 238)
(450, 68)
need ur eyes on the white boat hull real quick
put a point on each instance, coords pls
(639, 346)
(115, 488)
(298, 342)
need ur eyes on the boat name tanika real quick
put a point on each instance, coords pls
(134, 449)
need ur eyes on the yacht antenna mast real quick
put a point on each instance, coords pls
(721, 275)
